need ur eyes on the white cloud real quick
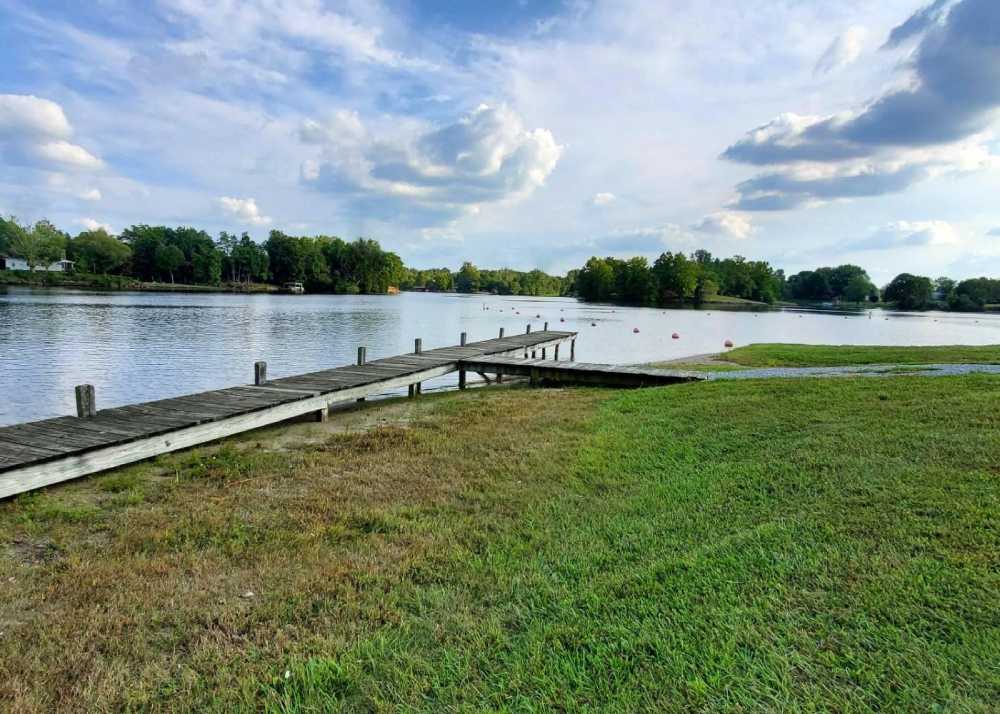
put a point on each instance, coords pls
(993, 231)
(92, 225)
(34, 133)
(244, 210)
(93, 194)
(843, 51)
(433, 175)
(726, 223)
(910, 234)
(603, 199)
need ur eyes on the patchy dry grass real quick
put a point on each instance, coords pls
(187, 582)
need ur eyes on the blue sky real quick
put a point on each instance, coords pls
(526, 134)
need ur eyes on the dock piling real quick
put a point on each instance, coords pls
(362, 358)
(259, 373)
(418, 347)
(86, 401)
(461, 372)
(572, 350)
(501, 333)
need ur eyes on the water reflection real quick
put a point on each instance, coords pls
(141, 346)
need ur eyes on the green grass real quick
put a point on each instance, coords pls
(791, 355)
(808, 545)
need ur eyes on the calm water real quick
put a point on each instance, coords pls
(139, 346)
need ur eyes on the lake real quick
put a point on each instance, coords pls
(137, 347)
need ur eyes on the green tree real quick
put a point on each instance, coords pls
(676, 276)
(858, 288)
(41, 245)
(168, 259)
(97, 252)
(909, 292)
(467, 280)
(596, 280)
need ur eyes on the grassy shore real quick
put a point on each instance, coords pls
(826, 545)
(89, 281)
(794, 355)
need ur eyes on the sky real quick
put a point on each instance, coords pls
(519, 133)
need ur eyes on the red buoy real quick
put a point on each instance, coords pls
(635, 330)
(728, 343)
(593, 324)
(562, 319)
(676, 336)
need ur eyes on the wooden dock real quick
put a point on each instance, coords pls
(46, 452)
(50, 451)
(541, 372)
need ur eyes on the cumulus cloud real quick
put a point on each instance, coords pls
(244, 210)
(603, 199)
(93, 225)
(843, 51)
(35, 133)
(435, 175)
(917, 23)
(93, 194)
(909, 234)
(952, 98)
(725, 223)
(993, 231)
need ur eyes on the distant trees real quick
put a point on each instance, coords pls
(467, 280)
(97, 252)
(909, 292)
(975, 294)
(848, 283)
(675, 277)
(38, 245)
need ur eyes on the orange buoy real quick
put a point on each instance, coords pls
(676, 336)
(728, 343)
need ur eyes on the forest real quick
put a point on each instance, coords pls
(329, 264)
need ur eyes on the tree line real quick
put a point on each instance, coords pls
(190, 256)
(675, 277)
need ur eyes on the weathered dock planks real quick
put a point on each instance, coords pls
(46, 452)
(541, 371)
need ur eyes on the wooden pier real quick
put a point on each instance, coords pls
(46, 452)
(50, 451)
(541, 372)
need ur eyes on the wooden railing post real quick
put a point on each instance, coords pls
(362, 358)
(418, 347)
(86, 401)
(260, 373)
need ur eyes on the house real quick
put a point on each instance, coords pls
(10, 263)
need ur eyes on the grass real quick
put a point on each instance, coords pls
(706, 547)
(793, 355)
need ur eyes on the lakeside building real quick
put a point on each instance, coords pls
(8, 262)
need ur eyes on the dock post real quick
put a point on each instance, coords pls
(86, 401)
(572, 350)
(259, 373)
(556, 355)
(501, 333)
(528, 331)
(362, 358)
(500, 376)
(461, 372)
(543, 353)
(418, 348)
(546, 328)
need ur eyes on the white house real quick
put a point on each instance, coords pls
(11, 263)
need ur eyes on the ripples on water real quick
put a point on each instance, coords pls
(141, 346)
